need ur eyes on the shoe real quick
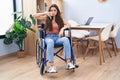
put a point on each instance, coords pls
(70, 66)
(52, 69)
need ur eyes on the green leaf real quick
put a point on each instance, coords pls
(28, 24)
(33, 20)
(15, 26)
(18, 12)
(18, 27)
(22, 21)
(8, 41)
(9, 34)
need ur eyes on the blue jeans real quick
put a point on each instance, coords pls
(53, 39)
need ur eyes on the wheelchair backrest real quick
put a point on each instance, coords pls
(42, 32)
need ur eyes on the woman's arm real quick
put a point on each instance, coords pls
(41, 16)
(66, 25)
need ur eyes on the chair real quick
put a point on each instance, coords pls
(77, 39)
(104, 35)
(77, 36)
(112, 37)
(74, 24)
(41, 47)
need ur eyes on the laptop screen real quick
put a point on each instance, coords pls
(89, 20)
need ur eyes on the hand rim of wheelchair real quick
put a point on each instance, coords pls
(42, 67)
(38, 55)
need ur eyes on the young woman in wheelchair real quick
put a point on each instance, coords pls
(54, 27)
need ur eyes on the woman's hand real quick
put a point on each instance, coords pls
(62, 30)
(48, 14)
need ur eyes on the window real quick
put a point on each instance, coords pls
(7, 7)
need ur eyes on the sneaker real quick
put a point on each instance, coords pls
(70, 66)
(52, 69)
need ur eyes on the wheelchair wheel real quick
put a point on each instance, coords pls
(42, 67)
(38, 52)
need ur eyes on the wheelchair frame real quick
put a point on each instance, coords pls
(41, 50)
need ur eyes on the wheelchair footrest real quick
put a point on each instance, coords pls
(76, 66)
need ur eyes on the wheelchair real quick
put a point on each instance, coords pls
(41, 59)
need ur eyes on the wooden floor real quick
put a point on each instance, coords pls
(13, 68)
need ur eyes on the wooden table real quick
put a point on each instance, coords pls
(94, 26)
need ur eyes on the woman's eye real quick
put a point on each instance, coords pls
(52, 10)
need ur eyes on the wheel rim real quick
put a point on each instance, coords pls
(37, 52)
(42, 68)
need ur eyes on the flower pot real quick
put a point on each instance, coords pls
(21, 54)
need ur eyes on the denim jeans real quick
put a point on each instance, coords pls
(53, 39)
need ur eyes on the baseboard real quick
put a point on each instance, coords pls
(8, 55)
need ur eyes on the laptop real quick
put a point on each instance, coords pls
(73, 23)
(89, 21)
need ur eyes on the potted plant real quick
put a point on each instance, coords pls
(18, 32)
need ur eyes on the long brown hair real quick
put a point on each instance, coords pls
(58, 19)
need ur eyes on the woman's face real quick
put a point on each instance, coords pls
(53, 11)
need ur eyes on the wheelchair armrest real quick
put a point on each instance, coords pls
(67, 32)
(67, 29)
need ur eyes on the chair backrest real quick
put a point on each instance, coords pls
(73, 23)
(106, 32)
(115, 30)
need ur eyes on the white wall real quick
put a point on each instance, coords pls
(80, 10)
